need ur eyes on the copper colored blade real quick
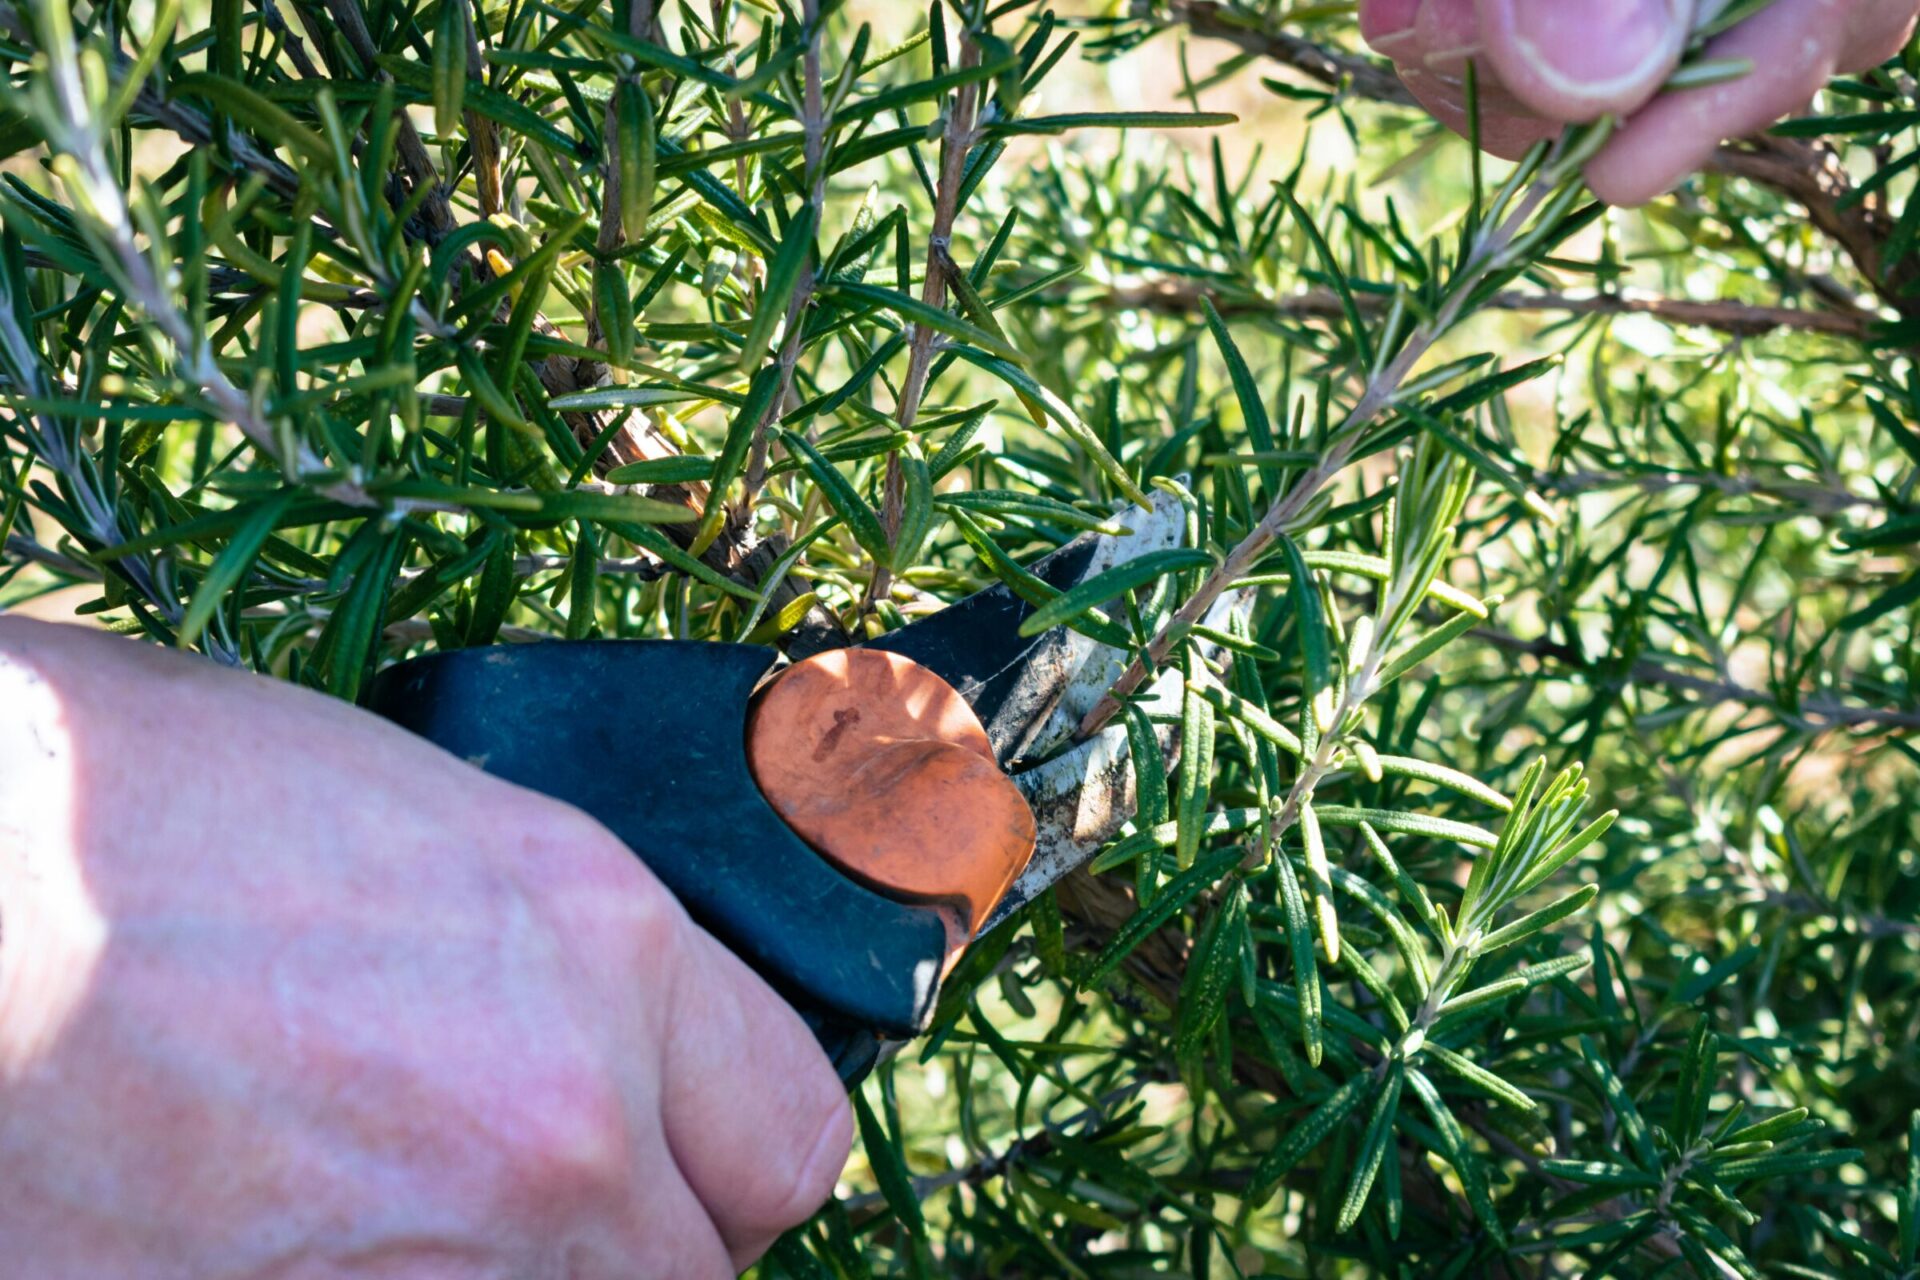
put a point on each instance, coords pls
(877, 763)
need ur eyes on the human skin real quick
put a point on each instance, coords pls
(287, 994)
(1544, 64)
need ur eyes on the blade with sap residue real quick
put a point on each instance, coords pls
(1032, 692)
(1082, 798)
(1016, 684)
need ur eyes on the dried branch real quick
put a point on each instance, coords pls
(1350, 73)
(954, 147)
(1813, 712)
(1741, 319)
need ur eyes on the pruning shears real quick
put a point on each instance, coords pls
(846, 823)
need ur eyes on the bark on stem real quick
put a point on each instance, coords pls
(1815, 712)
(954, 148)
(814, 145)
(1740, 319)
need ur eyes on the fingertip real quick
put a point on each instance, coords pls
(1578, 62)
(1877, 32)
(1793, 49)
(1622, 176)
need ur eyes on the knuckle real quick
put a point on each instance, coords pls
(551, 831)
(569, 1143)
(588, 877)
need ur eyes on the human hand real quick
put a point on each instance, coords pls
(287, 993)
(1544, 64)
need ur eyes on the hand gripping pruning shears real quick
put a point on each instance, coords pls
(848, 823)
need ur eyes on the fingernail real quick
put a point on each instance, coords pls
(1595, 47)
(1453, 62)
(1385, 45)
(1387, 19)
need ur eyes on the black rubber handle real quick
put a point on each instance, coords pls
(648, 737)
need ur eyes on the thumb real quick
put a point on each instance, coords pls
(1579, 61)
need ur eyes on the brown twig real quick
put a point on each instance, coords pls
(1815, 712)
(1350, 72)
(739, 129)
(955, 144)
(813, 120)
(1741, 319)
(436, 210)
(483, 135)
(639, 440)
(1812, 174)
(292, 44)
(1809, 499)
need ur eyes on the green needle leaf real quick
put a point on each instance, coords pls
(851, 507)
(1316, 645)
(231, 565)
(1306, 1135)
(1174, 895)
(1110, 585)
(783, 275)
(1373, 1149)
(915, 311)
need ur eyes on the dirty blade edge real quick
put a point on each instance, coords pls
(1015, 684)
(1081, 799)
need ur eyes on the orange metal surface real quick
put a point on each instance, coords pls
(876, 762)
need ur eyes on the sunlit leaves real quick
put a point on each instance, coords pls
(1111, 584)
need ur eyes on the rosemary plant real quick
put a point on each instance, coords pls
(1533, 890)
